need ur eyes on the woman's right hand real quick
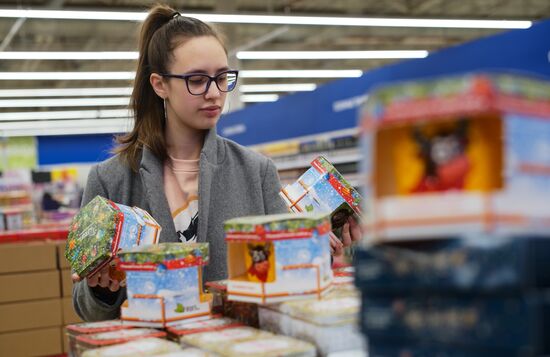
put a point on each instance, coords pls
(102, 279)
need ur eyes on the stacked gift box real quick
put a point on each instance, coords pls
(479, 294)
(456, 261)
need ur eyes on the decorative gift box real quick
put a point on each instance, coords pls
(491, 322)
(457, 155)
(278, 257)
(164, 284)
(477, 264)
(101, 229)
(89, 328)
(322, 189)
(243, 312)
(141, 348)
(114, 337)
(273, 346)
(220, 340)
(216, 323)
(330, 323)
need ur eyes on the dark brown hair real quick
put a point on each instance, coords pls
(164, 29)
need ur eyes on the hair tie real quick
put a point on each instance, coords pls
(175, 14)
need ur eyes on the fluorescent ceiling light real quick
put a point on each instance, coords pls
(65, 92)
(44, 55)
(273, 19)
(65, 127)
(64, 124)
(255, 98)
(66, 114)
(298, 73)
(302, 73)
(288, 87)
(65, 102)
(97, 129)
(271, 55)
(66, 76)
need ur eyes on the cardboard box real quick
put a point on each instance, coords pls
(277, 258)
(29, 256)
(30, 315)
(66, 282)
(164, 284)
(37, 342)
(29, 286)
(69, 315)
(101, 229)
(62, 262)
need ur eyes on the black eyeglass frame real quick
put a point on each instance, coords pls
(211, 79)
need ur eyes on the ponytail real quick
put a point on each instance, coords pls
(163, 30)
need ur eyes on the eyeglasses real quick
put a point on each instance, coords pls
(199, 83)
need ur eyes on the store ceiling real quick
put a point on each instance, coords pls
(96, 35)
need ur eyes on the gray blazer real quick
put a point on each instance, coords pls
(233, 182)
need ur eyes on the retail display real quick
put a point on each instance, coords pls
(455, 155)
(101, 229)
(278, 257)
(164, 284)
(323, 189)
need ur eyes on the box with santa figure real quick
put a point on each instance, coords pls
(322, 189)
(278, 257)
(101, 229)
(461, 154)
(164, 284)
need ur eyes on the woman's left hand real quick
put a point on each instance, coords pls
(351, 232)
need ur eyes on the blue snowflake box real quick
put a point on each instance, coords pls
(277, 258)
(322, 189)
(164, 284)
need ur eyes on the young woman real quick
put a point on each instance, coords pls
(173, 164)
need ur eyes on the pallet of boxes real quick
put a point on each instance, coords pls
(456, 261)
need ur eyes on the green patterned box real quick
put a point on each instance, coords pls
(100, 230)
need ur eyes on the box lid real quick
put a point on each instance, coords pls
(143, 347)
(277, 226)
(458, 95)
(214, 324)
(171, 255)
(91, 235)
(119, 336)
(96, 327)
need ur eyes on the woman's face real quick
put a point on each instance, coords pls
(205, 55)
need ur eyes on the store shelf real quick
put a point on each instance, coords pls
(303, 160)
(54, 233)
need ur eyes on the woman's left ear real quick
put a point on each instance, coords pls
(158, 84)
